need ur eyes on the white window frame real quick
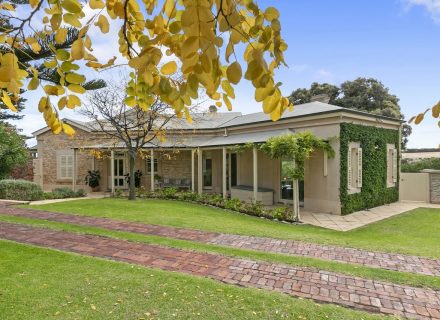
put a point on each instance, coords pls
(354, 168)
(392, 165)
(65, 165)
(156, 166)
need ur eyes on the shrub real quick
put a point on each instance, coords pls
(20, 190)
(233, 204)
(80, 193)
(280, 213)
(169, 193)
(216, 200)
(188, 196)
(254, 208)
(63, 192)
(417, 166)
(118, 193)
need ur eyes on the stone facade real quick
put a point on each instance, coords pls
(48, 146)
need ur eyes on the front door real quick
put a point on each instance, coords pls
(287, 183)
(119, 167)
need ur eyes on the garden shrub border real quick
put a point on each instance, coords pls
(257, 209)
(374, 191)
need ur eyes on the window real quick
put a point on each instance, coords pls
(207, 172)
(149, 166)
(65, 166)
(391, 165)
(354, 167)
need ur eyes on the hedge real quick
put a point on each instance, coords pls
(374, 190)
(417, 166)
(20, 190)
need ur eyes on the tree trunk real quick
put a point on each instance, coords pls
(132, 186)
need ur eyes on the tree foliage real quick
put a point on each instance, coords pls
(364, 94)
(199, 37)
(298, 146)
(12, 149)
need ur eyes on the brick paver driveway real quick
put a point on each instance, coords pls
(390, 261)
(322, 286)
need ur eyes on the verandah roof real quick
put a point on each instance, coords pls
(194, 141)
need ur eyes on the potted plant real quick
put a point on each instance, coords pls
(92, 179)
(137, 178)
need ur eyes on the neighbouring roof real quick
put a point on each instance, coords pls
(218, 120)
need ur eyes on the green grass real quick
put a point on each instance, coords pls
(409, 279)
(415, 232)
(40, 283)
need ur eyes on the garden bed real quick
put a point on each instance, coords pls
(249, 208)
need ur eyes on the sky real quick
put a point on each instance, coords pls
(394, 41)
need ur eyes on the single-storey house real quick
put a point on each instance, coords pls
(203, 157)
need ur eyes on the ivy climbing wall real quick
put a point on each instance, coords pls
(374, 191)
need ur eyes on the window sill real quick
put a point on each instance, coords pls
(353, 190)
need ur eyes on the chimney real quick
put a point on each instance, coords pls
(212, 109)
(323, 97)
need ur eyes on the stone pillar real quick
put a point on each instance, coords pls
(152, 170)
(224, 186)
(199, 171)
(255, 172)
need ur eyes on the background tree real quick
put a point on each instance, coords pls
(364, 94)
(156, 38)
(133, 127)
(13, 150)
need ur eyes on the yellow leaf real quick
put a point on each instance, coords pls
(103, 24)
(72, 6)
(170, 8)
(50, 64)
(62, 55)
(7, 101)
(227, 102)
(73, 101)
(53, 90)
(227, 88)
(34, 3)
(71, 19)
(33, 84)
(75, 78)
(96, 4)
(234, 73)
(271, 13)
(77, 51)
(42, 104)
(68, 130)
(419, 118)
(62, 103)
(76, 88)
(169, 68)
(130, 101)
(61, 35)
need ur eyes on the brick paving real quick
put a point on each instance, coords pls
(322, 286)
(389, 261)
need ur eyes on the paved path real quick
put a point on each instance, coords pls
(322, 286)
(362, 218)
(390, 261)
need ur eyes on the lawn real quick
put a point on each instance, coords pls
(404, 278)
(415, 232)
(40, 283)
